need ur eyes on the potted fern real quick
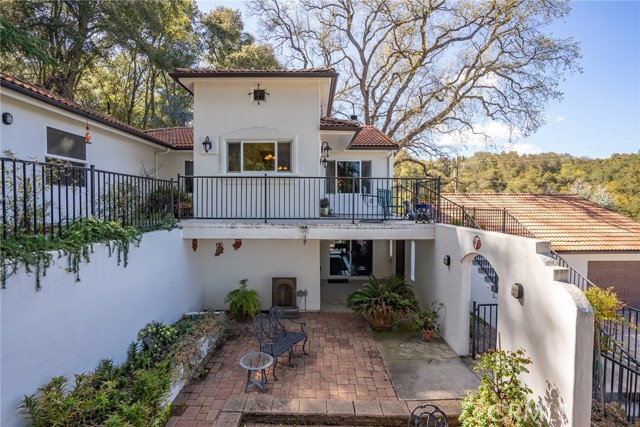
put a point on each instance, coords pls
(244, 303)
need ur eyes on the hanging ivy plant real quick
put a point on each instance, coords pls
(35, 252)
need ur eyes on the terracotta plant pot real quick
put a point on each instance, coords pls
(426, 335)
(381, 322)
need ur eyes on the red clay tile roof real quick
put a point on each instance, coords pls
(569, 222)
(178, 137)
(331, 123)
(44, 95)
(224, 72)
(372, 138)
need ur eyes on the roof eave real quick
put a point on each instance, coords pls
(73, 110)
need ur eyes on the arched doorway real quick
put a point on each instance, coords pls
(484, 286)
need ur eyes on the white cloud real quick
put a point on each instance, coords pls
(487, 136)
(559, 119)
(524, 148)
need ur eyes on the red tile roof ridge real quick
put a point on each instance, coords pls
(249, 70)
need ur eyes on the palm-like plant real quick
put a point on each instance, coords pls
(383, 301)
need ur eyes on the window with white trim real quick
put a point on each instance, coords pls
(259, 156)
(66, 149)
(343, 172)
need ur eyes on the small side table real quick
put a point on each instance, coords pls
(259, 362)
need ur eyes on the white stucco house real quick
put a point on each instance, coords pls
(258, 170)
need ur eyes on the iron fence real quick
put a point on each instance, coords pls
(616, 374)
(280, 197)
(45, 198)
(484, 326)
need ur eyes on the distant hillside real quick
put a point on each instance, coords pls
(613, 182)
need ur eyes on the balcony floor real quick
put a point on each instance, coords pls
(309, 229)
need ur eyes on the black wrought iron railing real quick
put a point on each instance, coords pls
(488, 270)
(45, 198)
(484, 325)
(616, 371)
(301, 198)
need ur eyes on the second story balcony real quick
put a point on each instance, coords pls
(267, 198)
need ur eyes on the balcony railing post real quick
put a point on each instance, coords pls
(504, 220)
(463, 217)
(266, 192)
(92, 189)
(439, 198)
(178, 184)
(353, 200)
(171, 198)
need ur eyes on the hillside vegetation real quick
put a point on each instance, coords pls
(613, 182)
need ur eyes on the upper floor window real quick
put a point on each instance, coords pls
(343, 171)
(263, 156)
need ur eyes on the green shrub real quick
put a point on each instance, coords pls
(243, 303)
(134, 393)
(383, 301)
(502, 400)
(110, 396)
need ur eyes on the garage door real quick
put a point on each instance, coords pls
(624, 276)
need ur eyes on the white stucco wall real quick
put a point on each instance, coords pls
(581, 261)
(170, 164)
(69, 327)
(259, 261)
(480, 288)
(110, 149)
(291, 112)
(553, 322)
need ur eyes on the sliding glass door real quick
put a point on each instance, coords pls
(351, 258)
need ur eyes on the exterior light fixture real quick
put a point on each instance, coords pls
(259, 95)
(446, 260)
(7, 118)
(517, 291)
(326, 149)
(206, 144)
(323, 161)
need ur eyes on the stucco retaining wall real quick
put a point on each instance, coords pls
(68, 327)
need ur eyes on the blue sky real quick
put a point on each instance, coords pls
(600, 112)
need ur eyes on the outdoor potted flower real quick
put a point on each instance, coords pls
(324, 206)
(427, 320)
(383, 302)
(244, 303)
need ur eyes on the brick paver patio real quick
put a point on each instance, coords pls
(343, 365)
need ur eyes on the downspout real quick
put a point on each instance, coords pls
(390, 157)
(155, 161)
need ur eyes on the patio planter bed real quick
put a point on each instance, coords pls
(182, 373)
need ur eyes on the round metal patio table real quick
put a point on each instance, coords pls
(256, 362)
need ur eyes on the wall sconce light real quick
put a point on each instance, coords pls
(7, 118)
(517, 291)
(446, 260)
(206, 144)
(326, 149)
